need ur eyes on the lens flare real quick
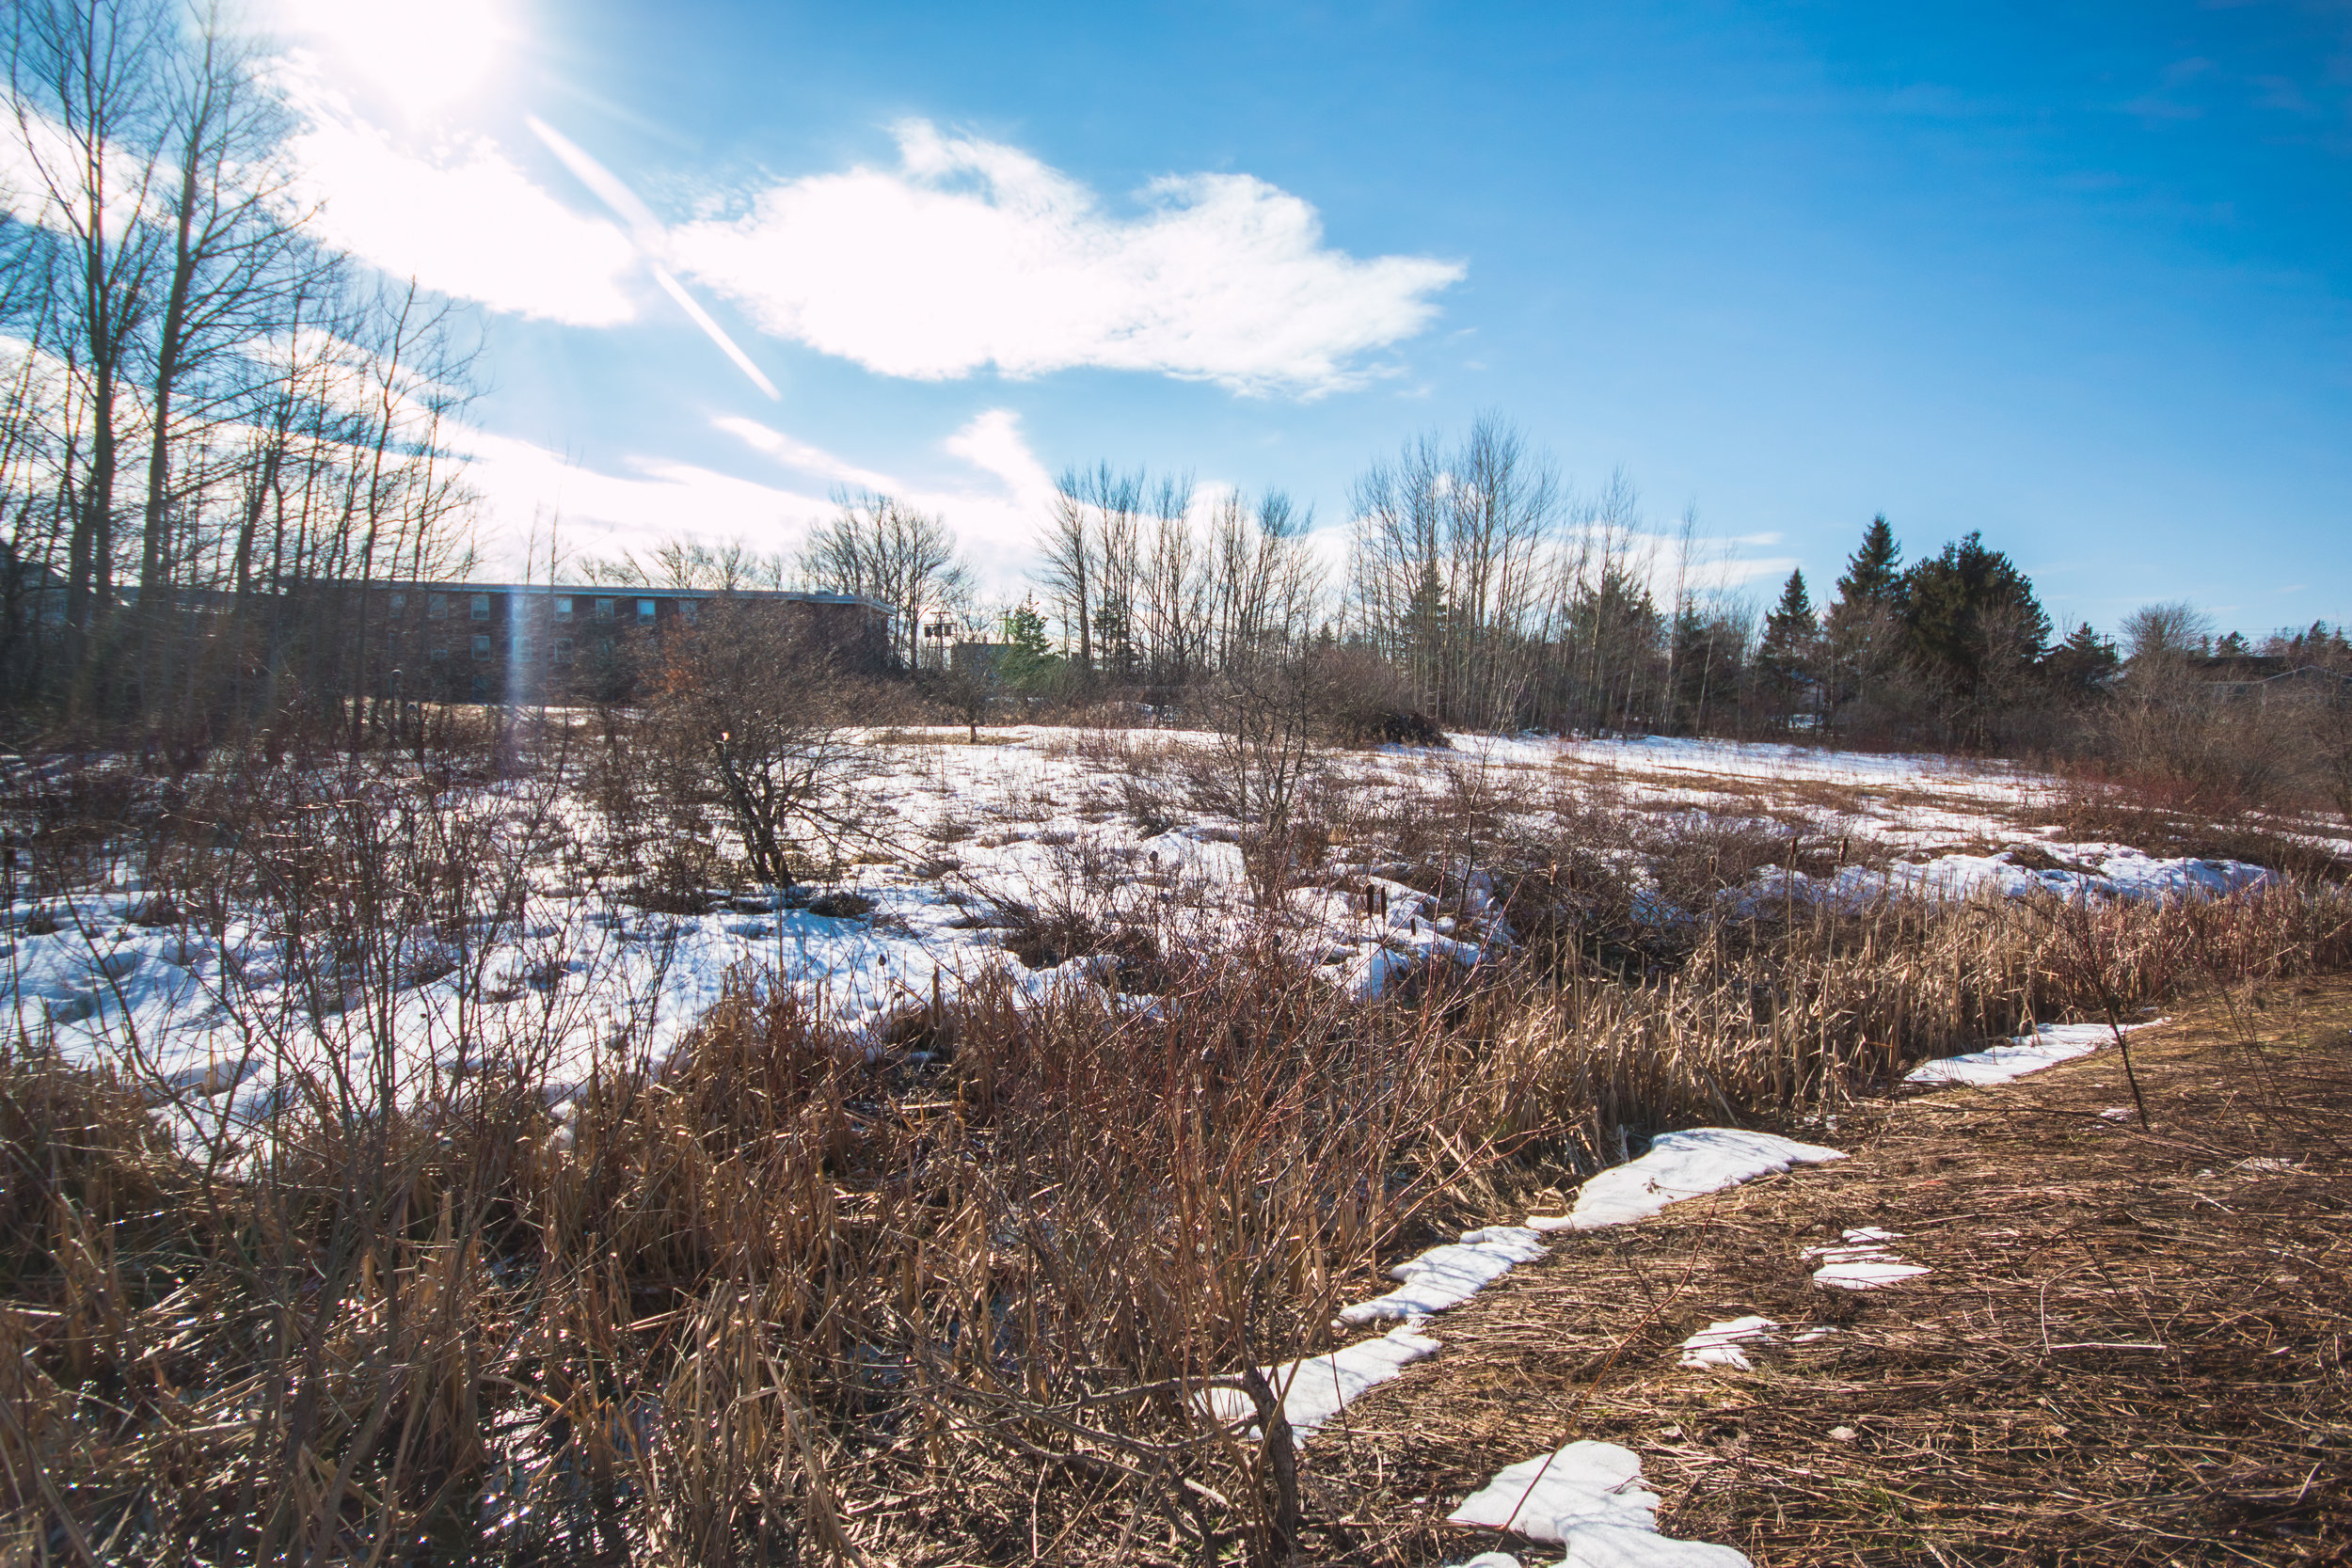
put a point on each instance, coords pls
(421, 54)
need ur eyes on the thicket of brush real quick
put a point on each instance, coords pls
(790, 1300)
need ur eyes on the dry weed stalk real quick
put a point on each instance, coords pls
(787, 1298)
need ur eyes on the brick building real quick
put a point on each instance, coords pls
(530, 642)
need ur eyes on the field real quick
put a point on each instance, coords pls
(465, 1153)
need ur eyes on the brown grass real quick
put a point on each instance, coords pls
(2131, 1350)
(950, 1300)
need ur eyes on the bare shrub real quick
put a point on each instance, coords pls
(2169, 815)
(752, 709)
(1365, 702)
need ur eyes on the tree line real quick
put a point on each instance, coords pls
(1476, 589)
(204, 411)
(206, 414)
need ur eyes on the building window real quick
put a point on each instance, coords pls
(480, 689)
(437, 606)
(482, 650)
(482, 606)
(604, 610)
(562, 650)
(644, 612)
(439, 655)
(604, 647)
(400, 602)
(690, 611)
(563, 606)
(522, 650)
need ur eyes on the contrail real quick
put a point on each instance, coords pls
(651, 239)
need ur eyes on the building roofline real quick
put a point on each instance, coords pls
(596, 591)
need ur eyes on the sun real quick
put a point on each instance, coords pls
(419, 54)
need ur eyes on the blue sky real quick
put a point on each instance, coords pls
(2075, 277)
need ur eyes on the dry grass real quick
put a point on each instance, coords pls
(2131, 1350)
(952, 1299)
(2169, 817)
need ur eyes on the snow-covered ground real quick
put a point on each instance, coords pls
(1589, 1498)
(2047, 1046)
(1681, 1166)
(1108, 827)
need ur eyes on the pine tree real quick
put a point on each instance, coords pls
(1863, 644)
(1426, 639)
(1975, 627)
(1027, 659)
(1790, 656)
(1792, 624)
(1874, 571)
(2083, 666)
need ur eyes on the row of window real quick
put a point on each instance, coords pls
(518, 650)
(436, 606)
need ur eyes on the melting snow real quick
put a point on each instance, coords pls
(1588, 1496)
(1861, 1261)
(1718, 1344)
(1448, 1275)
(2109, 870)
(1317, 1388)
(2047, 1046)
(1680, 1166)
(2097, 870)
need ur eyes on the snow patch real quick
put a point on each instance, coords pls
(1680, 1166)
(1589, 1498)
(1448, 1275)
(1318, 1387)
(1718, 1344)
(1861, 1261)
(2047, 1046)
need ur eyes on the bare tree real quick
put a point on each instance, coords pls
(682, 560)
(228, 259)
(1177, 587)
(288, 429)
(84, 78)
(2165, 633)
(906, 560)
(1448, 564)
(1088, 555)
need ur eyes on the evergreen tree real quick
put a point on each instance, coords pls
(1863, 641)
(1790, 630)
(1873, 572)
(1114, 638)
(2084, 666)
(1028, 662)
(1426, 639)
(1789, 656)
(1709, 651)
(1975, 630)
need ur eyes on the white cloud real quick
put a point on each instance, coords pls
(523, 485)
(417, 56)
(41, 161)
(993, 443)
(995, 523)
(795, 454)
(971, 254)
(461, 218)
(650, 499)
(1715, 565)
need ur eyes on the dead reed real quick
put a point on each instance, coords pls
(798, 1296)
